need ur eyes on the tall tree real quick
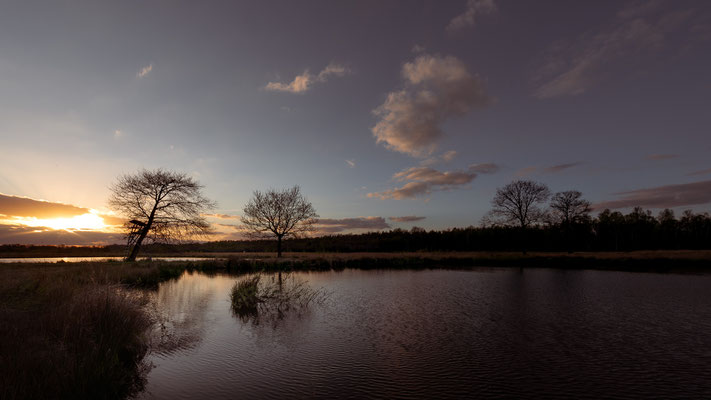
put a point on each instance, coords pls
(160, 205)
(281, 214)
(517, 204)
(569, 208)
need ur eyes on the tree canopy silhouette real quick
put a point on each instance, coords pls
(282, 214)
(569, 207)
(517, 204)
(160, 205)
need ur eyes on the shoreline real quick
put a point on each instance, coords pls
(639, 261)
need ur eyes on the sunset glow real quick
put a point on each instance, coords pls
(88, 221)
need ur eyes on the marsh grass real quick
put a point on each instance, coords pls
(258, 298)
(77, 330)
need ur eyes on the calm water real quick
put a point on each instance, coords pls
(443, 334)
(93, 259)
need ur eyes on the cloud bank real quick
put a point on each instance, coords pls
(16, 206)
(302, 83)
(331, 225)
(668, 196)
(407, 218)
(19, 234)
(436, 88)
(425, 180)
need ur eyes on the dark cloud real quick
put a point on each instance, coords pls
(331, 225)
(669, 196)
(15, 206)
(231, 226)
(20, 234)
(436, 88)
(561, 167)
(407, 218)
(425, 180)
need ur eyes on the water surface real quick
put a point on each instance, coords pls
(443, 334)
(94, 259)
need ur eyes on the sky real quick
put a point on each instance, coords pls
(387, 114)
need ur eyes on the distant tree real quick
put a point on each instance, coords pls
(160, 205)
(667, 236)
(570, 208)
(517, 204)
(608, 229)
(281, 214)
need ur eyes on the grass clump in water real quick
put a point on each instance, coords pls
(258, 297)
(245, 296)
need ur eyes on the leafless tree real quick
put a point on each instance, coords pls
(282, 214)
(160, 205)
(569, 207)
(517, 204)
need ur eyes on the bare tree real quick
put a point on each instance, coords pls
(282, 214)
(517, 204)
(569, 207)
(161, 206)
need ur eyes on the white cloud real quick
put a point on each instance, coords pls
(449, 156)
(436, 88)
(305, 81)
(474, 9)
(145, 70)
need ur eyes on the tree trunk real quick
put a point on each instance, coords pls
(137, 245)
(144, 233)
(278, 246)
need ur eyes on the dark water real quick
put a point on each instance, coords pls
(444, 334)
(93, 259)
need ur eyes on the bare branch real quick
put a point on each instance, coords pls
(168, 204)
(283, 214)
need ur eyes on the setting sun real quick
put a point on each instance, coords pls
(88, 221)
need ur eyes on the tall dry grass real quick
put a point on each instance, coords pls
(75, 330)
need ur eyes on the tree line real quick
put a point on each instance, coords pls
(165, 208)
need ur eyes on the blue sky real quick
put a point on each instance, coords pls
(375, 108)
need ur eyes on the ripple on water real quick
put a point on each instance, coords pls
(447, 334)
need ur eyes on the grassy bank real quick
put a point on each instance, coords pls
(653, 261)
(75, 330)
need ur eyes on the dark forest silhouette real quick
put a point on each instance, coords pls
(609, 231)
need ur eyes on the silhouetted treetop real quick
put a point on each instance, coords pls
(160, 205)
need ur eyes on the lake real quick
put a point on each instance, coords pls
(538, 333)
(93, 259)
